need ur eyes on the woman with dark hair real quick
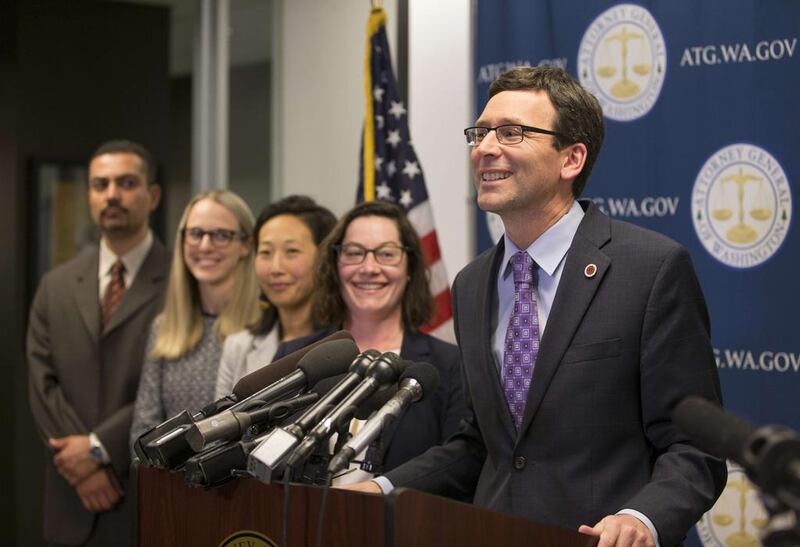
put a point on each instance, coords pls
(371, 279)
(286, 234)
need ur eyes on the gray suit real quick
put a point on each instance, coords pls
(82, 380)
(620, 349)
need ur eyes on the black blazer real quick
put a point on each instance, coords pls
(428, 422)
(620, 349)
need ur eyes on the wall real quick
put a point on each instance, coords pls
(321, 105)
(12, 273)
(440, 90)
(321, 79)
(72, 75)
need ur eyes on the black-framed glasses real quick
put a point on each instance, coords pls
(219, 237)
(506, 134)
(388, 254)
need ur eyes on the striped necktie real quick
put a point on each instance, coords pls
(114, 292)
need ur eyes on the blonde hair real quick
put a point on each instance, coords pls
(180, 325)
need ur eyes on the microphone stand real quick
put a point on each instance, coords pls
(342, 436)
(314, 470)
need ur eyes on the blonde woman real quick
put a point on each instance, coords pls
(212, 293)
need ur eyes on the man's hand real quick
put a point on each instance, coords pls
(100, 491)
(72, 458)
(368, 487)
(620, 531)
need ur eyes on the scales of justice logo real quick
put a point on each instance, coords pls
(247, 538)
(622, 60)
(741, 205)
(738, 516)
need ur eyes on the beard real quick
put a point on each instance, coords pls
(115, 221)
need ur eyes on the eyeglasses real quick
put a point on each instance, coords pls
(506, 134)
(388, 254)
(219, 237)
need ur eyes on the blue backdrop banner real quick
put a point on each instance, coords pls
(702, 128)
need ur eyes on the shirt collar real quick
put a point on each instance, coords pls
(551, 247)
(132, 260)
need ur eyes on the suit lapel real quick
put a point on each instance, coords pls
(486, 305)
(145, 287)
(573, 297)
(87, 295)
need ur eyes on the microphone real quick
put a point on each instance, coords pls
(214, 464)
(324, 361)
(220, 462)
(383, 371)
(174, 427)
(252, 384)
(268, 456)
(770, 455)
(419, 381)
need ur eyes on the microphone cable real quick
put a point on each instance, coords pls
(287, 472)
(326, 486)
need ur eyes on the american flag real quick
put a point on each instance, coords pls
(390, 169)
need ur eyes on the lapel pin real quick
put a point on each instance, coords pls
(590, 270)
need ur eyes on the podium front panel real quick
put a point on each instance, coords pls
(172, 514)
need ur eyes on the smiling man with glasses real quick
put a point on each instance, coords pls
(506, 134)
(578, 334)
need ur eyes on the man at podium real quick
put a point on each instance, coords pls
(578, 334)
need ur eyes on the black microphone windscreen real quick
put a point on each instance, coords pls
(711, 429)
(424, 373)
(326, 384)
(327, 360)
(273, 372)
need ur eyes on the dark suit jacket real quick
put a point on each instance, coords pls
(620, 349)
(83, 380)
(428, 422)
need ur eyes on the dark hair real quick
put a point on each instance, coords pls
(122, 146)
(317, 219)
(417, 302)
(579, 116)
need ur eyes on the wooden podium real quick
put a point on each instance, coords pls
(172, 514)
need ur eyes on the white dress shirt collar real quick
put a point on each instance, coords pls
(132, 260)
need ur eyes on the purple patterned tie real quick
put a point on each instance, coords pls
(522, 337)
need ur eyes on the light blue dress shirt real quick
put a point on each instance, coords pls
(549, 252)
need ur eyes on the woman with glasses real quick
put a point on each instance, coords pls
(211, 294)
(371, 280)
(286, 234)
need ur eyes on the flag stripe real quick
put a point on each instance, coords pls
(438, 280)
(445, 331)
(421, 216)
(443, 311)
(430, 248)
